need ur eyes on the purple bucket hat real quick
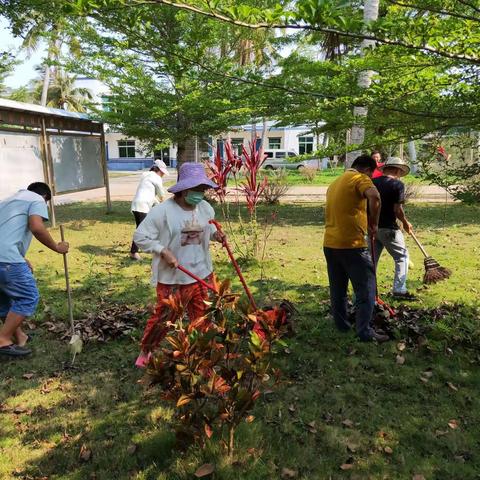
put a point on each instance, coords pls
(191, 175)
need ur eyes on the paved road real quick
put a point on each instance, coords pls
(123, 188)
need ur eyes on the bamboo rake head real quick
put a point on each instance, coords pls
(434, 272)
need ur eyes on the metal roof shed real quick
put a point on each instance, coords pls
(64, 149)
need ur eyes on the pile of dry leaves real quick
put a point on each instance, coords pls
(412, 323)
(110, 321)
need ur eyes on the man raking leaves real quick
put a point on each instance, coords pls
(346, 249)
(389, 235)
(21, 216)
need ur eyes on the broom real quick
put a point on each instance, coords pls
(434, 272)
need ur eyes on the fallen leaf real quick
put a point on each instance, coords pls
(250, 418)
(18, 410)
(85, 453)
(205, 470)
(388, 450)
(291, 408)
(451, 386)
(427, 374)
(287, 473)
(131, 449)
(400, 359)
(311, 427)
(346, 466)
(453, 424)
(401, 346)
(28, 376)
(347, 423)
(441, 433)
(418, 477)
(352, 447)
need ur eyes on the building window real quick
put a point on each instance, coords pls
(274, 143)
(237, 144)
(305, 145)
(126, 148)
(106, 103)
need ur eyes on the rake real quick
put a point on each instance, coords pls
(387, 308)
(434, 272)
(76, 343)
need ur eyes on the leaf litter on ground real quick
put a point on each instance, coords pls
(108, 322)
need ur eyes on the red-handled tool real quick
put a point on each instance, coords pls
(377, 298)
(197, 278)
(235, 264)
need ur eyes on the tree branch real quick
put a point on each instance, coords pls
(358, 36)
(434, 10)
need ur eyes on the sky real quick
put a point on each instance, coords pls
(24, 71)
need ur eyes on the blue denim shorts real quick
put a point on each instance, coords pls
(18, 290)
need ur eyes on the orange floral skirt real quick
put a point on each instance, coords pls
(192, 295)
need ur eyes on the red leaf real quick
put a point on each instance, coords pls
(208, 430)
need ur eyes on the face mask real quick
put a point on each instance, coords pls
(194, 198)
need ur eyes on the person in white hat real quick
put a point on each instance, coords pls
(149, 193)
(389, 235)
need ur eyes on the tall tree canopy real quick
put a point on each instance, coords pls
(167, 53)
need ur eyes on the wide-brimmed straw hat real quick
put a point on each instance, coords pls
(397, 163)
(191, 175)
(160, 164)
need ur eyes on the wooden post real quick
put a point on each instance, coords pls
(48, 169)
(105, 170)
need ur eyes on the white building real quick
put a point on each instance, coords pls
(296, 139)
(125, 153)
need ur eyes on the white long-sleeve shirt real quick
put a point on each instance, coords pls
(149, 188)
(186, 233)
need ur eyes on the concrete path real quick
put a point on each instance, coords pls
(123, 188)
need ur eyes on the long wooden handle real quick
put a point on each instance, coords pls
(67, 282)
(197, 278)
(235, 265)
(419, 244)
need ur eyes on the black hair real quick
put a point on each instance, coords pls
(364, 162)
(154, 169)
(41, 188)
(375, 151)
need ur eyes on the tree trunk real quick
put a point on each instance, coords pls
(370, 13)
(264, 135)
(412, 153)
(46, 84)
(186, 151)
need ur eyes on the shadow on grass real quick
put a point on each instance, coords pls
(102, 410)
(82, 215)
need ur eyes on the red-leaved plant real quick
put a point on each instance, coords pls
(215, 368)
(251, 189)
(221, 169)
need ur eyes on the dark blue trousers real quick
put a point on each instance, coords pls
(356, 265)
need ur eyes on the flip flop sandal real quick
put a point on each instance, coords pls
(14, 351)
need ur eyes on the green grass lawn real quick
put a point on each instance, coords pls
(326, 177)
(389, 421)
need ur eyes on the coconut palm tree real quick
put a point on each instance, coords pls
(62, 93)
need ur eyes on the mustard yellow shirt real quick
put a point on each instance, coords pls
(346, 211)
